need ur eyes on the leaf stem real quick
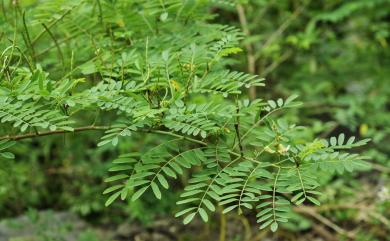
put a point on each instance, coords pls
(274, 195)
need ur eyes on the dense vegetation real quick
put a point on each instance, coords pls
(258, 111)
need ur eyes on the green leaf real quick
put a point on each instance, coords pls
(265, 217)
(156, 190)
(266, 224)
(184, 211)
(272, 104)
(341, 139)
(102, 143)
(169, 172)
(280, 102)
(4, 144)
(165, 55)
(313, 200)
(114, 141)
(189, 218)
(264, 211)
(203, 215)
(116, 177)
(290, 99)
(296, 196)
(274, 226)
(24, 127)
(113, 188)
(300, 201)
(189, 200)
(7, 155)
(163, 181)
(191, 193)
(228, 209)
(112, 198)
(209, 205)
(164, 16)
(124, 193)
(138, 193)
(333, 141)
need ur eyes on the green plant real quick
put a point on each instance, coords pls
(161, 68)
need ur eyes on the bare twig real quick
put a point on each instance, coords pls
(276, 64)
(321, 230)
(313, 213)
(380, 168)
(47, 133)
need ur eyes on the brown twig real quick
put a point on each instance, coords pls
(380, 168)
(321, 230)
(313, 213)
(47, 133)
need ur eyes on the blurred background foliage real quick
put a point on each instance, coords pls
(334, 54)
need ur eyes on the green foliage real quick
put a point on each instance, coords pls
(135, 69)
(4, 145)
(334, 55)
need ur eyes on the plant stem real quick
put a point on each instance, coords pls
(56, 44)
(47, 133)
(28, 39)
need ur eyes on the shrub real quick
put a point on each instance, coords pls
(161, 68)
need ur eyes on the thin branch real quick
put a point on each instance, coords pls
(276, 63)
(56, 44)
(48, 133)
(380, 167)
(28, 39)
(60, 42)
(53, 23)
(104, 128)
(237, 129)
(312, 212)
